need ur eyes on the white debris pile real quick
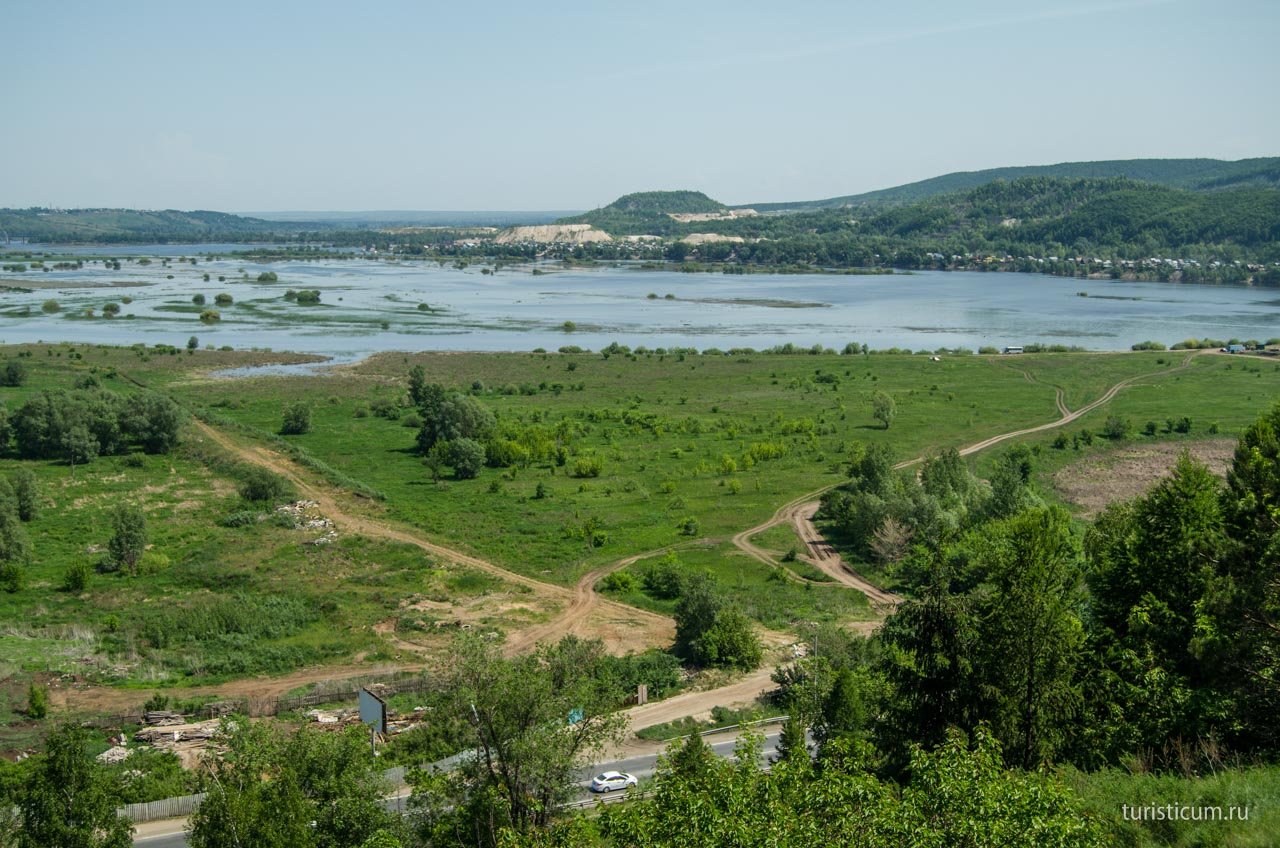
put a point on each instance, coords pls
(302, 516)
(114, 754)
(162, 718)
(170, 735)
(328, 538)
(333, 716)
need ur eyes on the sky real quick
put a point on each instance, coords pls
(261, 106)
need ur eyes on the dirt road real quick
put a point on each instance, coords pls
(582, 610)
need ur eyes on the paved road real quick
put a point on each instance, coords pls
(172, 835)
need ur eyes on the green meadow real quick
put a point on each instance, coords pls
(690, 449)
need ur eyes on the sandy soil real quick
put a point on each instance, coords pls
(571, 233)
(1125, 473)
(704, 238)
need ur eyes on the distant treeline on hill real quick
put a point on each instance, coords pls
(1194, 174)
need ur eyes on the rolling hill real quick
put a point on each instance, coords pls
(135, 225)
(1193, 174)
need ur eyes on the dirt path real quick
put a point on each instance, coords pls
(585, 612)
(800, 512)
(823, 555)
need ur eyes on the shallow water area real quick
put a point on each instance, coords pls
(369, 305)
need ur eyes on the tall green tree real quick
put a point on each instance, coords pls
(883, 409)
(448, 417)
(1240, 631)
(26, 492)
(69, 800)
(1031, 633)
(930, 648)
(311, 789)
(128, 538)
(535, 719)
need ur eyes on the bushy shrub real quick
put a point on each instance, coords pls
(587, 466)
(76, 578)
(260, 485)
(297, 419)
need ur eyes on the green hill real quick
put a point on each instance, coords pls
(136, 225)
(1194, 174)
(647, 212)
(1098, 213)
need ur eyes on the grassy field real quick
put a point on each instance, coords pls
(676, 436)
(673, 434)
(210, 602)
(764, 593)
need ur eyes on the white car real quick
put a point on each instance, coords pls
(611, 780)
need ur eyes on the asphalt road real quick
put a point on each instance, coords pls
(642, 767)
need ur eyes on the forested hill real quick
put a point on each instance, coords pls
(648, 212)
(1194, 174)
(1057, 225)
(135, 225)
(1086, 214)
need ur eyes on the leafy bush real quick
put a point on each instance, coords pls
(14, 373)
(37, 701)
(260, 485)
(1116, 427)
(76, 579)
(587, 466)
(297, 419)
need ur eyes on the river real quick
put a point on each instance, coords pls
(369, 305)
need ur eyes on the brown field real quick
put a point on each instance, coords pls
(1092, 484)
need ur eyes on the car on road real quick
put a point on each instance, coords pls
(610, 780)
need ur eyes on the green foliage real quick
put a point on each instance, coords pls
(268, 277)
(68, 799)
(37, 701)
(535, 720)
(646, 212)
(76, 579)
(465, 456)
(711, 632)
(297, 419)
(15, 546)
(26, 492)
(1031, 631)
(13, 374)
(128, 539)
(447, 417)
(261, 485)
(1116, 427)
(80, 425)
(307, 790)
(883, 408)
(587, 466)
(956, 796)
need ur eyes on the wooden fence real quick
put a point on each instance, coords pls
(258, 707)
(166, 808)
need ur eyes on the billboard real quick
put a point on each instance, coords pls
(373, 710)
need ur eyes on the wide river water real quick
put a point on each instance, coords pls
(370, 305)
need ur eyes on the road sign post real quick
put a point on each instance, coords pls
(373, 712)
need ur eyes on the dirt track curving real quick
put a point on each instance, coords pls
(627, 627)
(584, 612)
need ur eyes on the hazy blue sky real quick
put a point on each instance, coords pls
(561, 105)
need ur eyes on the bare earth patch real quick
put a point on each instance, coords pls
(1092, 484)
